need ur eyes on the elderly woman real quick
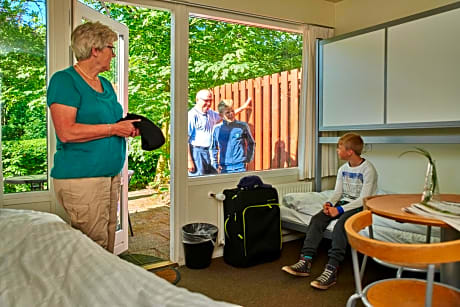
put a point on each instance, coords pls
(90, 149)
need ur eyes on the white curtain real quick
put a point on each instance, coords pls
(329, 156)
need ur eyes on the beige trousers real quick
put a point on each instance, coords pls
(92, 205)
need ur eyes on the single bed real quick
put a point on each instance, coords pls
(297, 210)
(45, 262)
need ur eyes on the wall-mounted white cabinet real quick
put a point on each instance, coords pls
(424, 70)
(402, 74)
(349, 65)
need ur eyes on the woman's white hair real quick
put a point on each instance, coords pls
(91, 35)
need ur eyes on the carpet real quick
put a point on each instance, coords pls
(267, 285)
(169, 273)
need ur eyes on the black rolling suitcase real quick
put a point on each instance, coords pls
(252, 226)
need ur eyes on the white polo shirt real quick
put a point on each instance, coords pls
(200, 126)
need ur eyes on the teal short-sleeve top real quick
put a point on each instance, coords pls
(97, 158)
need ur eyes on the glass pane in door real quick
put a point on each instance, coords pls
(23, 95)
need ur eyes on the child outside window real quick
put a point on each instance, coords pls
(232, 145)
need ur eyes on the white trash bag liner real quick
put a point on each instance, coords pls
(195, 233)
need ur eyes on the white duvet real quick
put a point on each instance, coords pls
(44, 262)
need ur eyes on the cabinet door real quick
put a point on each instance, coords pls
(353, 74)
(423, 70)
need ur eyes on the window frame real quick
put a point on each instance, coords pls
(57, 39)
(293, 173)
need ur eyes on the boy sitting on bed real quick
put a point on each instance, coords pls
(356, 179)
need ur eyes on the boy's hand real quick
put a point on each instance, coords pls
(326, 207)
(246, 104)
(333, 211)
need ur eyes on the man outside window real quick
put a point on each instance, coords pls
(201, 121)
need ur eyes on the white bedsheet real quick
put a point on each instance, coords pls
(300, 207)
(44, 262)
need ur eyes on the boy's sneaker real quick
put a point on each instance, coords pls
(301, 268)
(327, 279)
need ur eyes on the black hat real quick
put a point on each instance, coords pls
(252, 182)
(151, 136)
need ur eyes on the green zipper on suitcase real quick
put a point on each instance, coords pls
(225, 224)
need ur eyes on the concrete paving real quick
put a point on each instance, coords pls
(149, 213)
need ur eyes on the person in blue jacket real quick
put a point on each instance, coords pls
(232, 145)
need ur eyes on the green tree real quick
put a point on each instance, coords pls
(219, 53)
(23, 89)
(22, 70)
(223, 52)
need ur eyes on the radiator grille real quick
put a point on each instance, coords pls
(296, 187)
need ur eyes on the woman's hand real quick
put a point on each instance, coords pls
(136, 132)
(125, 128)
(69, 131)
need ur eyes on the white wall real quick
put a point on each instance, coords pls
(406, 174)
(352, 15)
(318, 12)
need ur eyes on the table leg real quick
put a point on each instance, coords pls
(450, 272)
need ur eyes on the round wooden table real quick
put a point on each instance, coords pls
(391, 206)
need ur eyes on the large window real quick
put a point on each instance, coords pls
(23, 94)
(240, 62)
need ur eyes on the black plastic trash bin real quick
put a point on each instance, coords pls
(199, 240)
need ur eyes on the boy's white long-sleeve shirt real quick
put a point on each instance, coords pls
(354, 183)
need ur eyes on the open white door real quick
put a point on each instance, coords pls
(118, 75)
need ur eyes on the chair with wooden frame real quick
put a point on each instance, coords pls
(401, 291)
(400, 269)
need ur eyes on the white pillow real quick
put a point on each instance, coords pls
(307, 203)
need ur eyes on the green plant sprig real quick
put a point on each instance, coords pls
(427, 155)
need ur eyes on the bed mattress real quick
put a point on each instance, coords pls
(45, 262)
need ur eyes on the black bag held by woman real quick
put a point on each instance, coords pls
(151, 135)
(252, 223)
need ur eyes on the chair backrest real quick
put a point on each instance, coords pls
(398, 253)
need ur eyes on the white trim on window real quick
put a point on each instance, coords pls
(233, 178)
(57, 57)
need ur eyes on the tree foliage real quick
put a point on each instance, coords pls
(22, 70)
(219, 53)
(25, 157)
